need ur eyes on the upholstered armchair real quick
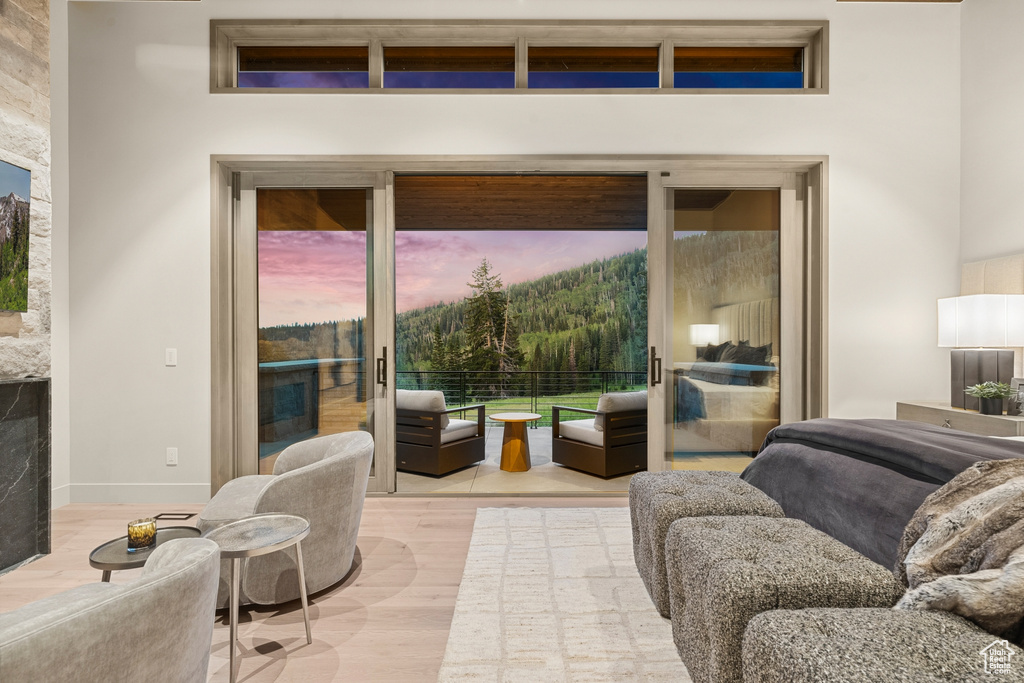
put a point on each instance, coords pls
(323, 480)
(611, 443)
(155, 628)
(430, 442)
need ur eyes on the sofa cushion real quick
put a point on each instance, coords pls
(458, 429)
(423, 401)
(722, 571)
(868, 645)
(656, 499)
(581, 430)
(619, 401)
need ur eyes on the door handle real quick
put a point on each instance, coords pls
(655, 368)
(382, 369)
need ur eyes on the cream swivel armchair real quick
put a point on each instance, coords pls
(323, 480)
(155, 628)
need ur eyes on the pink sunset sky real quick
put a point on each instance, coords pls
(310, 277)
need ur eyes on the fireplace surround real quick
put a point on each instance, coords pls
(24, 471)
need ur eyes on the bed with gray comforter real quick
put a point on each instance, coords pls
(860, 481)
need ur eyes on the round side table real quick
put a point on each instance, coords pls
(114, 555)
(260, 535)
(515, 446)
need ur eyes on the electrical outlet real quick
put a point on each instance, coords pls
(172, 457)
(171, 357)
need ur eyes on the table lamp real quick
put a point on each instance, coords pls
(982, 329)
(702, 335)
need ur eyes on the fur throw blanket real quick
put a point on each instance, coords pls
(963, 551)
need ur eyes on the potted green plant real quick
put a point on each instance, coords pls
(990, 395)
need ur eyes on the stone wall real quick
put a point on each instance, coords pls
(25, 142)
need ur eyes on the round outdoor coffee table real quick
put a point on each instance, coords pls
(260, 535)
(114, 555)
(515, 446)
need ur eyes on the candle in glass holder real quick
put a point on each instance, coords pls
(141, 534)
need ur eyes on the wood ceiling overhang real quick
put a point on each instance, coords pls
(521, 202)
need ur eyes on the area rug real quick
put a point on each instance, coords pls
(552, 594)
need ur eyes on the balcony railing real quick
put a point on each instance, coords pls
(523, 391)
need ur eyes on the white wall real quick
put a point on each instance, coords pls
(992, 203)
(143, 126)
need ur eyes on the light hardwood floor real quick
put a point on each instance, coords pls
(387, 621)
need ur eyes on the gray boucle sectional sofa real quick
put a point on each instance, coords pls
(758, 598)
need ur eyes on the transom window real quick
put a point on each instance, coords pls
(505, 56)
(593, 67)
(738, 67)
(304, 66)
(450, 67)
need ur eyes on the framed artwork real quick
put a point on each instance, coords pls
(15, 186)
(1015, 404)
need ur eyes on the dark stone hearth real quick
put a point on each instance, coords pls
(24, 471)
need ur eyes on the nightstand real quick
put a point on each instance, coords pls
(942, 415)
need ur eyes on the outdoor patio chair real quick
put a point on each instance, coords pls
(428, 441)
(611, 443)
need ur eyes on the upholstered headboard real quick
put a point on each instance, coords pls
(754, 321)
(994, 276)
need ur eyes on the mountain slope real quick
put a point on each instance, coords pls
(590, 317)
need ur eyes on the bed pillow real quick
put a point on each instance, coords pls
(423, 401)
(617, 401)
(745, 354)
(712, 353)
(757, 355)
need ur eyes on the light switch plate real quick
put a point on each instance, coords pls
(172, 457)
(171, 357)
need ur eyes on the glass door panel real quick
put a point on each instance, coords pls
(315, 305)
(723, 365)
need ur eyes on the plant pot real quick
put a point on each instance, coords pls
(991, 406)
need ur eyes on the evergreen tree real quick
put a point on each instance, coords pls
(572, 362)
(491, 332)
(439, 350)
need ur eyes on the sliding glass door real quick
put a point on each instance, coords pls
(312, 310)
(721, 261)
(731, 294)
(315, 315)
(725, 374)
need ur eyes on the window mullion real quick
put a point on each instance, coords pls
(668, 63)
(376, 63)
(522, 63)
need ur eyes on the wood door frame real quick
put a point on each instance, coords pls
(227, 438)
(235, 315)
(803, 297)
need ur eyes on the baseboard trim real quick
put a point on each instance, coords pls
(60, 496)
(140, 493)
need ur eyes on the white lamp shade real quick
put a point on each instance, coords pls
(982, 320)
(701, 335)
